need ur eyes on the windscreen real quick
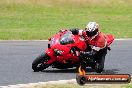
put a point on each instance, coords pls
(66, 38)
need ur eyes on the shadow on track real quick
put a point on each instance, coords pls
(74, 70)
(111, 71)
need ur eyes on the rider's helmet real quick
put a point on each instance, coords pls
(92, 29)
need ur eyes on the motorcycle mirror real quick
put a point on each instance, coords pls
(49, 46)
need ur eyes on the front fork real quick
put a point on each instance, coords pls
(52, 59)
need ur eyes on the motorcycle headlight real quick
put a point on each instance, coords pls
(58, 52)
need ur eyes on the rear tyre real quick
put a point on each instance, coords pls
(93, 66)
(39, 63)
(99, 67)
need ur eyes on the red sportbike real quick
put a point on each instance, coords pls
(62, 52)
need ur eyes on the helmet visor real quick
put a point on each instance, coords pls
(91, 33)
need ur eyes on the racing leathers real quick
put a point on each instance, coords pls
(97, 45)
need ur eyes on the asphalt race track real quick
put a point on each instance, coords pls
(16, 58)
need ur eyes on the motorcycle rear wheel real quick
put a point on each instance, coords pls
(99, 67)
(39, 63)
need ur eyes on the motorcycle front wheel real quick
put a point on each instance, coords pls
(39, 63)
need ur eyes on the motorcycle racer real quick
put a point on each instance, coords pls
(75, 48)
(97, 42)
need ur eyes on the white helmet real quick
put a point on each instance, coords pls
(92, 29)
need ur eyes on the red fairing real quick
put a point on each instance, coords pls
(52, 57)
(62, 43)
(79, 42)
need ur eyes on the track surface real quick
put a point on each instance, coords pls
(16, 58)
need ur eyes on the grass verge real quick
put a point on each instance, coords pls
(40, 19)
(75, 85)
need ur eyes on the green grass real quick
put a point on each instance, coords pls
(40, 19)
(128, 86)
(75, 85)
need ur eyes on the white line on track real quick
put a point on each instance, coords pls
(124, 39)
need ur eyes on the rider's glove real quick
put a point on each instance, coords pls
(75, 51)
(74, 31)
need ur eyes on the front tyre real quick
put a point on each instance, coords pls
(39, 63)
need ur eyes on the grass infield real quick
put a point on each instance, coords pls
(75, 85)
(40, 19)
